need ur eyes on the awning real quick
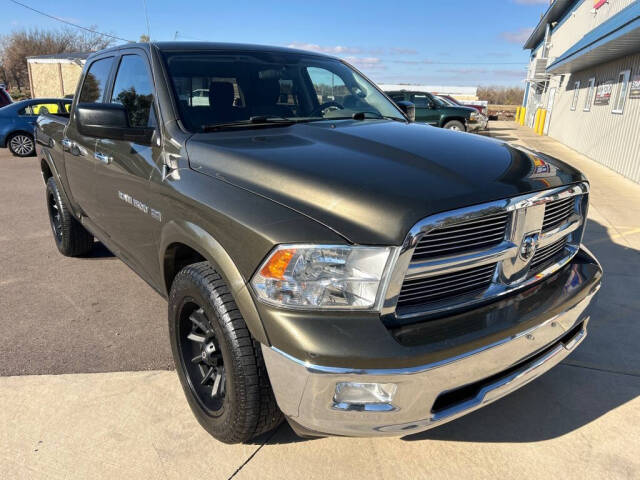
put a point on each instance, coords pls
(615, 38)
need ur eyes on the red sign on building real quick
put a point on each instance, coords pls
(598, 3)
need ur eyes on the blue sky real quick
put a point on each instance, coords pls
(453, 42)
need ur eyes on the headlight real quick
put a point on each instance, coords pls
(322, 276)
(474, 116)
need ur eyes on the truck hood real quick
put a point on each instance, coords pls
(372, 180)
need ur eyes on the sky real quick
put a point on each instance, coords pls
(433, 42)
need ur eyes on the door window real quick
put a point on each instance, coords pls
(623, 86)
(329, 87)
(420, 100)
(95, 81)
(134, 90)
(576, 91)
(590, 91)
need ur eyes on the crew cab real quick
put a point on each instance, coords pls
(325, 260)
(431, 110)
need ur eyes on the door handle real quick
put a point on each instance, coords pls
(66, 143)
(106, 159)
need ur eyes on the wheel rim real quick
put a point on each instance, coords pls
(54, 216)
(201, 358)
(455, 128)
(21, 144)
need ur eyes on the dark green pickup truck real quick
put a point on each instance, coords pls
(325, 260)
(434, 111)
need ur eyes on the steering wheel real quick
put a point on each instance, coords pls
(323, 106)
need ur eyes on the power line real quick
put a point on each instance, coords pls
(69, 23)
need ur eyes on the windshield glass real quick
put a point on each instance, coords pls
(213, 89)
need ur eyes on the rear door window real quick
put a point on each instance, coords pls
(95, 82)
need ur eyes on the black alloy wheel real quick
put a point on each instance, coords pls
(202, 358)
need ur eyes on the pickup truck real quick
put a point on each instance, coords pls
(325, 260)
(431, 110)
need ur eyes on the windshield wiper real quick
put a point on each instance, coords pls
(363, 116)
(253, 122)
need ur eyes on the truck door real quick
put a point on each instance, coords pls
(425, 112)
(123, 168)
(79, 149)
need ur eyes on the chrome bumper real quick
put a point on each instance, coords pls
(305, 392)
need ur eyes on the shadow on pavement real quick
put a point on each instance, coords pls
(98, 252)
(599, 377)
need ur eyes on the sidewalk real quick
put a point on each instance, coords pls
(581, 419)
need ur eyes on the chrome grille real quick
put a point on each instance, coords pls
(473, 254)
(439, 287)
(558, 212)
(546, 254)
(483, 233)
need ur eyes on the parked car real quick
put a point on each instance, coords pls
(5, 98)
(18, 119)
(435, 112)
(482, 119)
(329, 262)
(482, 106)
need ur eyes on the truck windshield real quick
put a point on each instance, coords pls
(215, 89)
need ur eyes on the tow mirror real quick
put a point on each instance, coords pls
(109, 120)
(408, 108)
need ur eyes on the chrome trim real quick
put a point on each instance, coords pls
(512, 272)
(305, 392)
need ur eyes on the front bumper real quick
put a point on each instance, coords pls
(430, 394)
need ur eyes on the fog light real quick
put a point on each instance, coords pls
(352, 393)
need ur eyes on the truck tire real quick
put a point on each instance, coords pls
(21, 144)
(219, 364)
(455, 125)
(71, 238)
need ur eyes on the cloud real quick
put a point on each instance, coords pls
(366, 63)
(532, 2)
(351, 50)
(425, 61)
(519, 36)
(334, 50)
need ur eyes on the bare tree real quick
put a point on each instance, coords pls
(20, 44)
(501, 95)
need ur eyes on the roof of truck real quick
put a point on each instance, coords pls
(212, 46)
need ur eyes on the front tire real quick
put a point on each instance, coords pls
(455, 125)
(219, 364)
(21, 144)
(71, 238)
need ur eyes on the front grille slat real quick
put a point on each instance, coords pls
(439, 287)
(557, 212)
(453, 278)
(547, 253)
(462, 237)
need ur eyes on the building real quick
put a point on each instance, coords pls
(585, 71)
(459, 93)
(55, 75)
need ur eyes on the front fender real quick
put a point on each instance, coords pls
(193, 236)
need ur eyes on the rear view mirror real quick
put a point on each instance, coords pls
(408, 108)
(109, 120)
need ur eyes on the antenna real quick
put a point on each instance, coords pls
(146, 16)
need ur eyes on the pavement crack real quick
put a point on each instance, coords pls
(604, 370)
(254, 453)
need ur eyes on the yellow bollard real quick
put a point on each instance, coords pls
(523, 115)
(543, 117)
(518, 114)
(536, 122)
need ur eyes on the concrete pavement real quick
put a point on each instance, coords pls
(73, 316)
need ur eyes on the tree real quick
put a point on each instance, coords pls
(20, 44)
(501, 95)
(144, 39)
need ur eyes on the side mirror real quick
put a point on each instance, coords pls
(408, 108)
(109, 120)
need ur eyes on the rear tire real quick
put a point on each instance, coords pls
(21, 144)
(71, 238)
(455, 125)
(219, 364)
